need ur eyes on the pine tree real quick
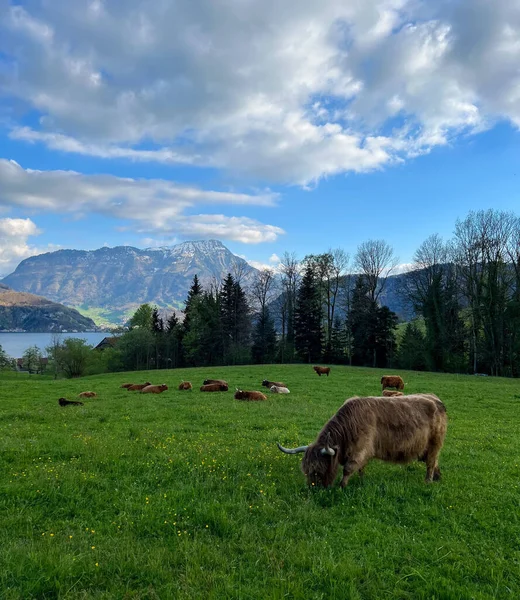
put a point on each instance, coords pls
(172, 337)
(307, 319)
(194, 294)
(264, 339)
(157, 322)
(361, 322)
(235, 321)
(203, 341)
(385, 343)
(338, 342)
(411, 354)
(186, 335)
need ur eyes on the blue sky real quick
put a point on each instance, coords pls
(271, 127)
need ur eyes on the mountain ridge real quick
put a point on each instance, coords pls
(121, 278)
(21, 311)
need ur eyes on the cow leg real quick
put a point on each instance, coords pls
(433, 473)
(350, 468)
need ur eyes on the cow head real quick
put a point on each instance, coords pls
(320, 462)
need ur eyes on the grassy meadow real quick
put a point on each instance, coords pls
(185, 495)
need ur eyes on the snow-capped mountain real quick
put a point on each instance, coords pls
(121, 278)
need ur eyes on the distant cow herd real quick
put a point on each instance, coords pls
(393, 427)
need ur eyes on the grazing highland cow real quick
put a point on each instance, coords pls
(185, 385)
(249, 396)
(390, 393)
(322, 370)
(210, 381)
(214, 387)
(138, 386)
(154, 389)
(279, 389)
(65, 402)
(392, 381)
(87, 395)
(269, 384)
(397, 430)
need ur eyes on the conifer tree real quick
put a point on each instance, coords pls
(235, 322)
(307, 319)
(264, 338)
(412, 353)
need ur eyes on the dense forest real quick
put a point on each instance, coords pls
(464, 292)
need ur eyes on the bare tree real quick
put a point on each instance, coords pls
(338, 269)
(375, 259)
(263, 289)
(240, 272)
(428, 267)
(513, 252)
(484, 248)
(53, 351)
(329, 269)
(290, 274)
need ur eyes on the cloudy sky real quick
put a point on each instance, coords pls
(270, 125)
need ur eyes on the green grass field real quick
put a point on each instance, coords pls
(185, 495)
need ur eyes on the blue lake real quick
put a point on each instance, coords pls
(15, 344)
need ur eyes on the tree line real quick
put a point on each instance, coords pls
(464, 292)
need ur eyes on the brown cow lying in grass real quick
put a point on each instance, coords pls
(154, 389)
(138, 386)
(126, 385)
(269, 384)
(390, 393)
(250, 396)
(214, 387)
(210, 381)
(65, 402)
(87, 395)
(398, 430)
(185, 385)
(392, 381)
(322, 370)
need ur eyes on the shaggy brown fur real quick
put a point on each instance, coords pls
(126, 385)
(390, 393)
(154, 389)
(210, 381)
(269, 384)
(322, 370)
(250, 396)
(398, 430)
(185, 385)
(393, 381)
(137, 386)
(214, 387)
(87, 395)
(65, 402)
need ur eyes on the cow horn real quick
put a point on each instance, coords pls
(292, 450)
(328, 450)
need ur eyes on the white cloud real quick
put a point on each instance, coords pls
(403, 268)
(150, 206)
(283, 91)
(273, 263)
(14, 243)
